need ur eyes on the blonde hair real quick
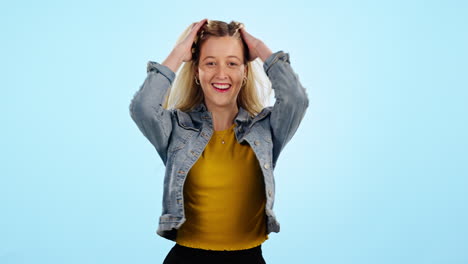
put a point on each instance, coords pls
(185, 94)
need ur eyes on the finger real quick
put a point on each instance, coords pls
(197, 27)
(244, 32)
(202, 22)
(195, 24)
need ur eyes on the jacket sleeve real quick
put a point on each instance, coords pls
(291, 101)
(146, 109)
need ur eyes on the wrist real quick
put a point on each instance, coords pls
(263, 51)
(174, 60)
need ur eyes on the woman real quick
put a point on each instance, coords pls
(218, 142)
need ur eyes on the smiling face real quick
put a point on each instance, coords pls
(221, 66)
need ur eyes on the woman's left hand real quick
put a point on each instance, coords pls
(256, 47)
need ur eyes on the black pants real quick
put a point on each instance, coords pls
(186, 255)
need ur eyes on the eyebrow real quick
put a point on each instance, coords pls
(232, 56)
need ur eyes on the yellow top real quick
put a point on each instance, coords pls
(224, 197)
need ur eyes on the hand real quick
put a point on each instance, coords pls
(254, 44)
(184, 47)
(182, 51)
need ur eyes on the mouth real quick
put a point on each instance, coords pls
(221, 87)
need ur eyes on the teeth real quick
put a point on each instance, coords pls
(222, 86)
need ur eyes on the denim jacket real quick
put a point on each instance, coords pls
(180, 137)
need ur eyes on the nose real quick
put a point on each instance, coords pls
(221, 72)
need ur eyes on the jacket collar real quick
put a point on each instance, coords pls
(242, 115)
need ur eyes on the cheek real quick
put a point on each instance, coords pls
(241, 72)
(205, 75)
(205, 78)
(240, 76)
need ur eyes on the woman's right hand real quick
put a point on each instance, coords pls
(185, 45)
(182, 51)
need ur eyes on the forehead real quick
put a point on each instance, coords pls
(221, 47)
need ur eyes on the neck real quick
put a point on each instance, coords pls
(223, 116)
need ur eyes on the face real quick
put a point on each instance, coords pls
(220, 66)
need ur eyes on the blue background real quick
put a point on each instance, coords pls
(376, 173)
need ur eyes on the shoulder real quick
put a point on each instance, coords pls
(261, 119)
(264, 113)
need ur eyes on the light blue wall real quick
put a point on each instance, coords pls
(377, 172)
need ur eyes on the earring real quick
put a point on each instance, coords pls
(196, 81)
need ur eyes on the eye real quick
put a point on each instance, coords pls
(233, 64)
(210, 63)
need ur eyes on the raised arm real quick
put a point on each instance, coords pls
(291, 98)
(146, 108)
(291, 101)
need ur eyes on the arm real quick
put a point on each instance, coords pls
(146, 109)
(291, 98)
(291, 101)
